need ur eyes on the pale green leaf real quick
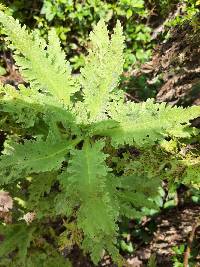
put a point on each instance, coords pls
(41, 70)
(103, 66)
(145, 123)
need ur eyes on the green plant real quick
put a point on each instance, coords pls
(73, 20)
(164, 7)
(61, 137)
(190, 9)
(152, 261)
(80, 16)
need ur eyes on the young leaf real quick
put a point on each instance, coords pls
(37, 66)
(102, 69)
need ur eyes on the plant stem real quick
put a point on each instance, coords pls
(189, 245)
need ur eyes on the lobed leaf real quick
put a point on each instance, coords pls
(103, 67)
(32, 157)
(145, 123)
(85, 180)
(42, 70)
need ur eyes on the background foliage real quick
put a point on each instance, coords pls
(73, 21)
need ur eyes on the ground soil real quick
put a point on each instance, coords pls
(173, 229)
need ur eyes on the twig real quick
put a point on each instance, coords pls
(127, 95)
(189, 245)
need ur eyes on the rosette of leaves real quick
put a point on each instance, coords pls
(58, 134)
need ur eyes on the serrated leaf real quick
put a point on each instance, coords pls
(85, 181)
(17, 236)
(32, 157)
(96, 82)
(40, 184)
(191, 175)
(146, 123)
(37, 67)
(135, 192)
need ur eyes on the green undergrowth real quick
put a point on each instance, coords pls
(73, 20)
